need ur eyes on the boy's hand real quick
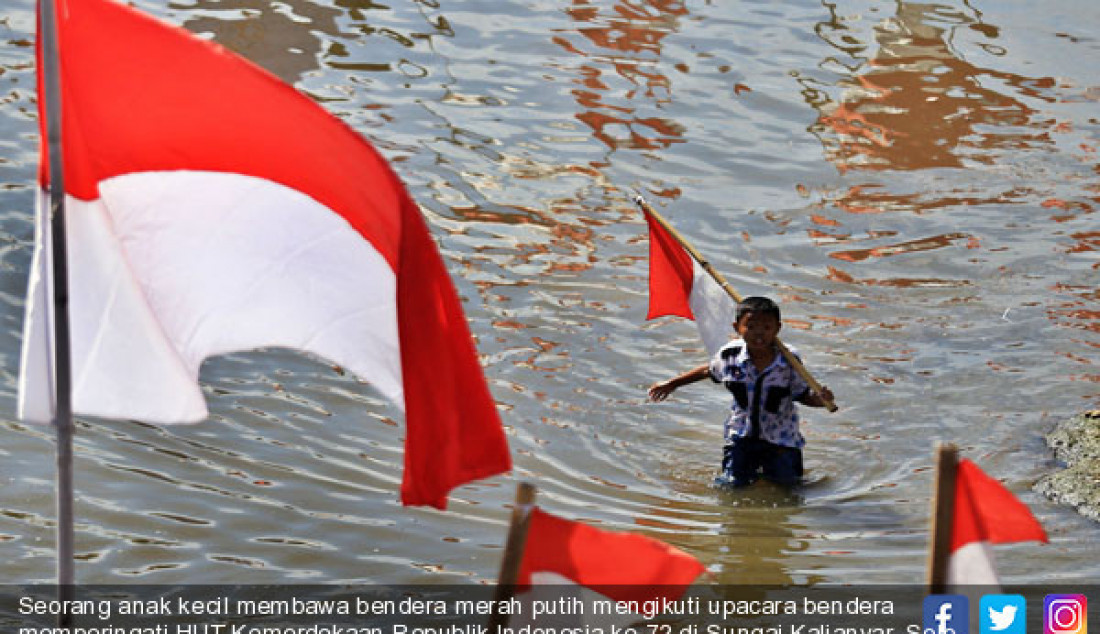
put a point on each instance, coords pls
(819, 399)
(660, 391)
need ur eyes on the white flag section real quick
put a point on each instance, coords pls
(176, 267)
(713, 308)
(211, 208)
(972, 564)
(679, 285)
(572, 607)
(36, 375)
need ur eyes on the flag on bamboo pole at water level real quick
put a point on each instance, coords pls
(679, 285)
(211, 208)
(619, 566)
(985, 513)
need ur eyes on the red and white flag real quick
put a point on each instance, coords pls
(212, 208)
(678, 285)
(985, 513)
(620, 566)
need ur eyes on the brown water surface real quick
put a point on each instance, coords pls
(916, 183)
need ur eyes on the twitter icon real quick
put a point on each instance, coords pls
(1002, 614)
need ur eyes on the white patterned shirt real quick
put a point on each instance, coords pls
(763, 402)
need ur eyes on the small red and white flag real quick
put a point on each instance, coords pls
(985, 513)
(678, 285)
(211, 208)
(620, 566)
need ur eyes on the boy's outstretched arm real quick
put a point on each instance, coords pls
(660, 391)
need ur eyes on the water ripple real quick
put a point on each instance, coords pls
(914, 183)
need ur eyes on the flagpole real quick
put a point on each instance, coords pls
(63, 413)
(513, 554)
(787, 354)
(943, 513)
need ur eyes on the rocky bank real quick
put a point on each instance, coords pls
(1076, 442)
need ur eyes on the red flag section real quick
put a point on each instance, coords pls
(621, 566)
(671, 273)
(985, 513)
(678, 285)
(213, 208)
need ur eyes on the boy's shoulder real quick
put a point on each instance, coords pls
(735, 349)
(731, 350)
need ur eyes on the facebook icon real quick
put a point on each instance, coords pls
(946, 614)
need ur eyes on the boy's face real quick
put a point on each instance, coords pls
(759, 330)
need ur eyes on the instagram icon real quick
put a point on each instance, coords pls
(1065, 614)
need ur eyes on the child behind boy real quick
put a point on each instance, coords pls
(762, 432)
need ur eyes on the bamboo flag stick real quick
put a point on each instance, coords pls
(787, 354)
(513, 554)
(943, 513)
(63, 414)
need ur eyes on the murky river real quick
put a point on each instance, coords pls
(916, 183)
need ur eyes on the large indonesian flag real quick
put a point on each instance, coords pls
(212, 208)
(678, 285)
(985, 513)
(619, 566)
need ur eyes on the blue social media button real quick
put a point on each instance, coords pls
(1002, 614)
(946, 614)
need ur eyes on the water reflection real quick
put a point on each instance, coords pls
(280, 37)
(751, 534)
(919, 92)
(627, 37)
(1079, 312)
(911, 246)
(916, 103)
(758, 526)
(291, 37)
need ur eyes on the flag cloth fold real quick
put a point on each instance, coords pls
(985, 513)
(212, 208)
(678, 285)
(620, 566)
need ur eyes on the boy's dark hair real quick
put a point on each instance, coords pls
(759, 306)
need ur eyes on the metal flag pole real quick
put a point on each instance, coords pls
(734, 295)
(63, 411)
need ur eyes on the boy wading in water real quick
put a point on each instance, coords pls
(761, 433)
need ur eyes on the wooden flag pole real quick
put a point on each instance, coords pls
(787, 354)
(943, 514)
(513, 554)
(62, 373)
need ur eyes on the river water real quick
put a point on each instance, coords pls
(916, 183)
